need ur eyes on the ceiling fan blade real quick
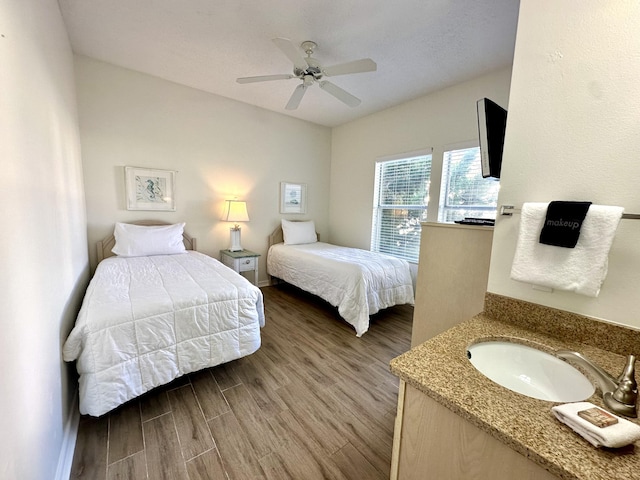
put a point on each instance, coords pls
(357, 66)
(297, 95)
(264, 78)
(339, 93)
(292, 52)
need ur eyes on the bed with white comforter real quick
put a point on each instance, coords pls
(358, 282)
(147, 320)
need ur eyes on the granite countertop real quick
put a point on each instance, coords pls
(440, 369)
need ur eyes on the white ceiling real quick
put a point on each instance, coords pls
(420, 46)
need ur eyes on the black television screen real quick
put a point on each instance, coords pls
(492, 122)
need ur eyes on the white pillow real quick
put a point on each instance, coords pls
(143, 240)
(296, 233)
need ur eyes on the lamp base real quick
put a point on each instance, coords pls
(235, 240)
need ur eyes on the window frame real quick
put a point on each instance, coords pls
(478, 210)
(411, 249)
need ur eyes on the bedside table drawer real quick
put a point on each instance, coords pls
(242, 261)
(247, 264)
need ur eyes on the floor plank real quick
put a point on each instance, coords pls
(308, 453)
(154, 404)
(315, 402)
(125, 432)
(262, 377)
(225, 376)
(129, 468)
(90, 457)
(251, 419)
(207, 466)
(354, 466)
(193, 434)
(235, 449)
(209, 395)
(162, 449)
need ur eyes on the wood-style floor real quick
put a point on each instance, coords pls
(314, 402)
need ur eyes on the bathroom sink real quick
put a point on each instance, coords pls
(529, 371)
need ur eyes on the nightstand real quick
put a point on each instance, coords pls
(242, 261)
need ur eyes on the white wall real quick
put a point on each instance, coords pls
(572, 134)
(221, 149)
(434, 121)
(43, 239)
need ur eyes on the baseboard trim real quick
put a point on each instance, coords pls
(65, 460)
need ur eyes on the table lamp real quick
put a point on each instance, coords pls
(235, 211)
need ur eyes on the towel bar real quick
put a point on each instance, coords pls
(509, 210)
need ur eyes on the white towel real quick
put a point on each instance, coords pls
(581, 269)
(614, 436)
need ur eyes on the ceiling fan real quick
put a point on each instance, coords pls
(310, 71)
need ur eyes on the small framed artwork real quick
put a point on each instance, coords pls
(150, 189)
(293, 197)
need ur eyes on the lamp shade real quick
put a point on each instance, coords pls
(235, 211)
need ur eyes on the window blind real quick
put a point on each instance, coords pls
(463, 192)
(401, 195)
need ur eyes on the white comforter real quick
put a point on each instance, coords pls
(358, 282)
(146, 320)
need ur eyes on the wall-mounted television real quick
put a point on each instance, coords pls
(492, 122)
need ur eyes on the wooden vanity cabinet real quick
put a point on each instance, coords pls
(430, 441)
(438, 444)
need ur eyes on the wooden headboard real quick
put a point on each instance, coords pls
(105, 245)
(278, 237)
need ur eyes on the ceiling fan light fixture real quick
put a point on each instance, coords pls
(310, 71)
(308, 47)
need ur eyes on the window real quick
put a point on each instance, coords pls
(463, 191)
(401, 195)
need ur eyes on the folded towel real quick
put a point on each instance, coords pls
(581, 269)
(563, 223)
(613, 436)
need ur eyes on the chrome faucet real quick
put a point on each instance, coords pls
(619, 394)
